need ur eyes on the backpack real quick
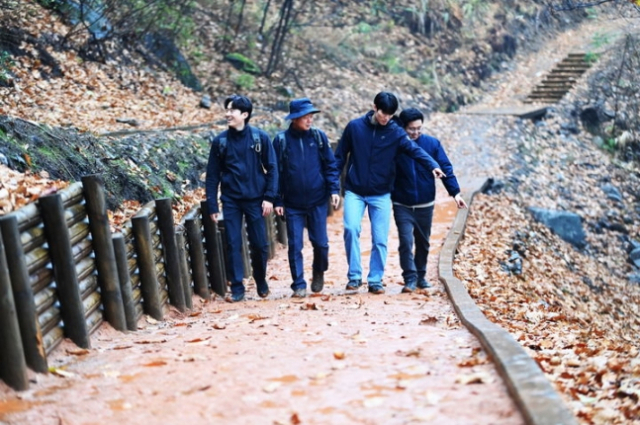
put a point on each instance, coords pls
(222, 147)
(283, 147)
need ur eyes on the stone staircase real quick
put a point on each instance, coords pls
(560, 80)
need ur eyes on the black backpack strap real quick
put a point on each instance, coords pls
(222, 144)
(320, 141)
(257, 141)
(282, 155)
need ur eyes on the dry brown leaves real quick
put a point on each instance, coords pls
(94, 95)
(17, 189)
(585, 341)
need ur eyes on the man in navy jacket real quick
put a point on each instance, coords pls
(242, 161)
(308, 177)
(413, 199)
(369, 146)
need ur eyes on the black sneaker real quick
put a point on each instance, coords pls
(376, 288)
(409, 286)
(263, 290)
(299, 293)
(423, 283)
(234, 298)
(354, 284)
(317, 283)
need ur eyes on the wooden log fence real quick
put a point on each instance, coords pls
(63, 272)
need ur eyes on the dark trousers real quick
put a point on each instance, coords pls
(414, 224)
(233, 211)
(316, 222)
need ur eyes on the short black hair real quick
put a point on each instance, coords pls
(409, 115)
(386, 102)
(241, 103)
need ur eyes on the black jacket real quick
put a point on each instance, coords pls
(308, 173)
(244, 169)
(371, 150)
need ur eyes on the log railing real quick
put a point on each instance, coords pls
(62, 271)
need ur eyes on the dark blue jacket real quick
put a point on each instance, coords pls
(371, 150)
(415, 184)
(308, 175)
(243, 170)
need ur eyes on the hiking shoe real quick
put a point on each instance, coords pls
(234, 298)
(354, 284)
(409, 286)
(317, 283)
(376, 288)
(299, 293)
(423, 284)
(263, 290)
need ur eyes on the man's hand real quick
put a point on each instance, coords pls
(267, 208)
(335, 201)
(438, 174)
(279, 211)
(214, 217)
(460, 202)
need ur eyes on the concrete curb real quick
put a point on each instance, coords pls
(534, 395)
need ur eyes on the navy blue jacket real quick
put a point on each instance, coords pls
(373, 149)
(243, 170)
(415, 184)
(308, 175)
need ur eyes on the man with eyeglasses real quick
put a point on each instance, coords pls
(368, 147)
(243, 163)
(413, 199)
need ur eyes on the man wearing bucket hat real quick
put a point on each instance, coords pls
(308, 178)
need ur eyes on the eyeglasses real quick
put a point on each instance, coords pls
(413, 129)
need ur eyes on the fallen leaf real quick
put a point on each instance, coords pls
(473, 378)
(429, 320)
(155, 363)
(271, 387)
(78, 352)
(61, 372)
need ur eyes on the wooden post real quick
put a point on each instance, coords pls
(64, 270)
(184, 268)
(23, 295)
(170, 252)
(281, 229)
(129, 305)
(146, 266)
(246, 251)
(196, 255)
(271, 237)
(13, 365)
(108, 279)
(214, 253)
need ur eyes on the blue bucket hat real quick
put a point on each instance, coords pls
(299, 108)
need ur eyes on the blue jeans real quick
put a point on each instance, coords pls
(379, 208)
(413, 224)
(233, 211)
(315, 219)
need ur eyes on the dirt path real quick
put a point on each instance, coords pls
(336, 358)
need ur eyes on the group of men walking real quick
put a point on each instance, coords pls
(388, 163)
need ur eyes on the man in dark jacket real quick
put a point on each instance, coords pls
(368, 147)
(413, 199)
(242, 161)
(308, 177)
